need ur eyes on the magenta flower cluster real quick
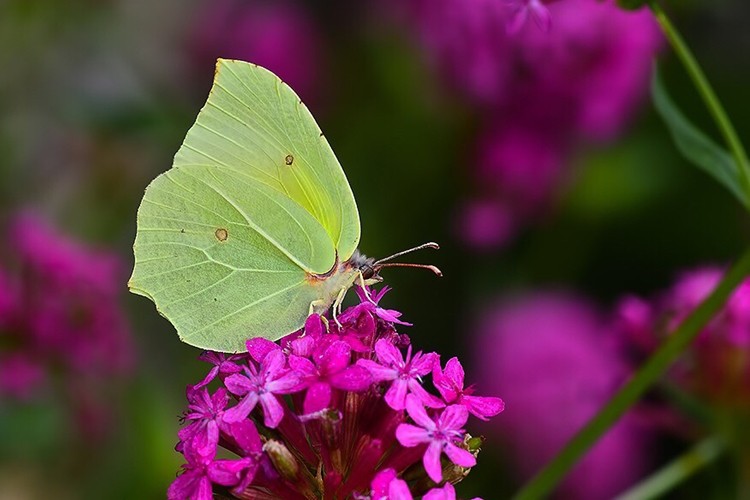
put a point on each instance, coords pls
(574, 74)
(339, 409)
(716, 366)
(60, 317)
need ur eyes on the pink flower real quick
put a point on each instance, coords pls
(450, 385)
(387, 486)
(205, 413)
(404, 373)
(440, 435)
(200, 473)
(224, 364)
(330, 370)
(261, 385)
(486, 224)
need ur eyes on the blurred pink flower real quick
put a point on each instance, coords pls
(60, 318)
(578, 73)
(716, 365)
(486, 224)
(68, 307)
(596, 57)
(556, 367)
(21, 375)
(279, 35)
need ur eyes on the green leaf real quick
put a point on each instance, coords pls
(695, 145)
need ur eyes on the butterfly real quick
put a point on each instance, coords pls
(255, 226)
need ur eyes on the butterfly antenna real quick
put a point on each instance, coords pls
(430, 244)
(379, 264)
(404, 264)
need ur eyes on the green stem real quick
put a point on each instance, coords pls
(546, 480)
(707, 93)
(676, 471)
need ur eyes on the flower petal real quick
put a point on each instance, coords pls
(399, 490)
(416, 411)
(459, 456)
(396, 394)
(273, 363)
(354, 378)
(455, 372)
(431, 461)
(388, 354)
(422, 363)
(425, 397)
(381, 482)
(273, 412)
(409, 435)
(314, 326)
(337, 356)
(379, 372)
(285, 384)
(246, 436)
(483, 407)
(239, 385)
(242, 410)
(453, 418)
(259, 347)
(447, 492)
(192, 484)
(318, 397)
(228, 472)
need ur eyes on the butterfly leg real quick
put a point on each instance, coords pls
(337, 305)
(315, 305)
(363, 286)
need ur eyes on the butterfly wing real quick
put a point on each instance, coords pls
(255, 204)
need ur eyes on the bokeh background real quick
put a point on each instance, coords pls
(534, 158)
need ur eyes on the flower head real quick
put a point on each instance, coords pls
(341, 412)
(450, 385)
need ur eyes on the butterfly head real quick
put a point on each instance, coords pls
(370, 268)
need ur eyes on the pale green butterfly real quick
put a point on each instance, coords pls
(255, 226)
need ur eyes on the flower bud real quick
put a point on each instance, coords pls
(282, 459)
